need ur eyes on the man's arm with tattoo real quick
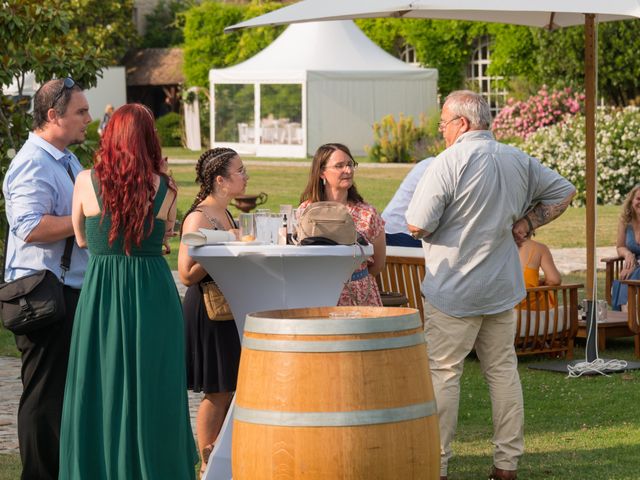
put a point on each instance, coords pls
(539, 215)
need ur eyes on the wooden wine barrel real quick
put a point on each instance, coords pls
(335, 393)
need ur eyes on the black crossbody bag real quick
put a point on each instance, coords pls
(36, 300)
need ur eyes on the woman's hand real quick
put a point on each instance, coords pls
(626, 273)
(168, 235)
(236, 232)
(629, 262)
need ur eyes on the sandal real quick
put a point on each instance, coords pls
(500, 474)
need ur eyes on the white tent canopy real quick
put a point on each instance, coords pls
(338, 83)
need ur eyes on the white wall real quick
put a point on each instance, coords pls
(111, 88)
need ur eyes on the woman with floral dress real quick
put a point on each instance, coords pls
(331, 179)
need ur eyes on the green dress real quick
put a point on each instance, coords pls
(125, 413)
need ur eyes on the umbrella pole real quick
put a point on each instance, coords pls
(590, 140)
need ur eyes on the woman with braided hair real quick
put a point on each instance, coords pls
(213, 347)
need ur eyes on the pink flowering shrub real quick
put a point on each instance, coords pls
(520, 119)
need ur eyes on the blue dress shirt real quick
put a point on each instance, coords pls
(37, 184)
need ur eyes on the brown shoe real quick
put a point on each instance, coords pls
(443, 477)
(500, 474)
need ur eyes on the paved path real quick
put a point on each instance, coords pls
(10, 389)
(567, 260)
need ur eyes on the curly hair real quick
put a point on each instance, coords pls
(128, 158)
(627, 210)
(211, 163)
(314, 191)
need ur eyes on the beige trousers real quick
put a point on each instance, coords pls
(449, 341)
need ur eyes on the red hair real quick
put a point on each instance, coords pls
(129, 156)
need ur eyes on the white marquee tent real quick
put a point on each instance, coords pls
(316, 83)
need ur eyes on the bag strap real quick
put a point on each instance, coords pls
(65, 260)
(4, 256)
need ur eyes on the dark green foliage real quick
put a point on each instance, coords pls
(55, 38)
(204, 37)
(86, 151)
(444, 45)
(527, 57)
(169, 128)
(206, 45)
(165, 24)
(282, 101)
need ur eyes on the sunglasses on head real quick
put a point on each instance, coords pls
(67, 84)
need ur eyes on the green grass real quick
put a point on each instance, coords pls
(7, 344)
(578, 428)
(10, 466)
(575, 428)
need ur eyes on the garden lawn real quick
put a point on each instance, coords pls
(575, 428)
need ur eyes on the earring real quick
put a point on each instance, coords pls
(324, 181)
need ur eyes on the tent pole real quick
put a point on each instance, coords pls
(590, 109)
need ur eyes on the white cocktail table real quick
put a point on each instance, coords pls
(269, 277)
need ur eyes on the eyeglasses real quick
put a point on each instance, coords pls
(342, 166)
(242, 171)
(443, 124)
(67, 84)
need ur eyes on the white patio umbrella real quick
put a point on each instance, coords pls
(549, 14)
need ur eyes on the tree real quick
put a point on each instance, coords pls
(165, 25)
(55, 38)
(206, 46)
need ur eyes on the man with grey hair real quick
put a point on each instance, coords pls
(38, 190)
(476, 202)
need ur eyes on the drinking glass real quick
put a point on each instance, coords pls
(275, 222)
(247, 227)
(262, 226)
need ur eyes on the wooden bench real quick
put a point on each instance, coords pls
(541, 333)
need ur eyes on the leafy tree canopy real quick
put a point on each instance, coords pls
(55, 38)
(206, 45)
(165, 24)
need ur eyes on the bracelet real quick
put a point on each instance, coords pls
(526, 217)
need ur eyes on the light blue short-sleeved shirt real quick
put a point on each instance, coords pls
(37, 184)
(469, 198)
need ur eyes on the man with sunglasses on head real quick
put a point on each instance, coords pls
(477, 201)
(38, 189)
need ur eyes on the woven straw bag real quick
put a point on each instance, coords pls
(217, 307)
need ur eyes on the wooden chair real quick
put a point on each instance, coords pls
(619, 324)
(551, 330)
(404, 274)
(633, 312)
(612, 268)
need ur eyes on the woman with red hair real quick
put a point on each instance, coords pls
(125, 412)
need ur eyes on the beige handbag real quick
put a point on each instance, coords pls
(326, 223)
(217, 307)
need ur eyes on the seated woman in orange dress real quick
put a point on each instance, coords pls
(533, 257)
